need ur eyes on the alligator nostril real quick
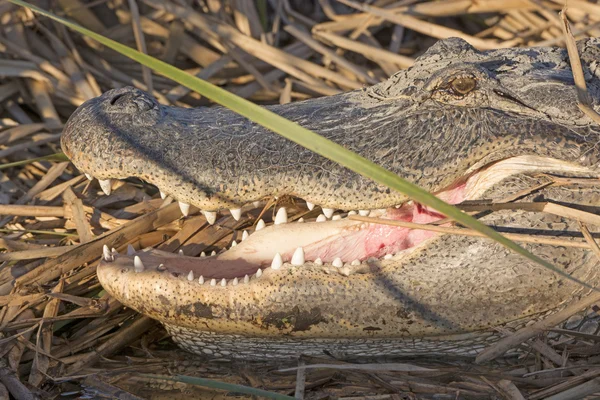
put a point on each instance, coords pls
(115, 98)
(131, 101)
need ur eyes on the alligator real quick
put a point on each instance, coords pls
(463, 124)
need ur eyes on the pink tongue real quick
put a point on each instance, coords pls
(376, 240)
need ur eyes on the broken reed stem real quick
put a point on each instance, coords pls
(470, 232)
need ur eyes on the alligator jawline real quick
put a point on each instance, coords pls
(342, 245)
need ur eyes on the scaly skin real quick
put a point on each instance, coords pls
(517, 105)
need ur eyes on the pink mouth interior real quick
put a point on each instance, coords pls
(377, 240)
(346, 239)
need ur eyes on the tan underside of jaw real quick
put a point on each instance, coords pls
(260, 251)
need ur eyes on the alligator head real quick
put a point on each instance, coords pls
(462, 124)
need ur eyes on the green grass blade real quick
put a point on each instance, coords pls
(304, 137)
(51, 157)
(231, 387)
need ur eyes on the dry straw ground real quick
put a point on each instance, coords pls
(62, 334)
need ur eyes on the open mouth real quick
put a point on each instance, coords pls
(332, 241)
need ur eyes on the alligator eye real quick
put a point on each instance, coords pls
(463, 85)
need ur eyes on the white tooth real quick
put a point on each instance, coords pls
(246, 279)
(277, 261)
(345, 271)
(328, 212)
(138, 266)
(203, 254)
(236, 213)
(211, 216)
(364, 213)
(338, 263)
(185, 208)
(300, 220)
(388, 256)
(310, 205)
(318, 261)
(163, 195)
(213, 282)
(114, 251)
(130, 250)
(105, 185)
(191, 276)
(336, 217)
(259, 225)
(161, 267)
(106, 253)
(223, 282)
(201, 280)
(281, 217)
(298, 257)
(180, 252)
(91, 178)
(233, 244)
(234, 282)
(355, 262)
(259, 273)
(213, 253)
(245, 235)
(256, 204)
(352, 212)
(321, 218)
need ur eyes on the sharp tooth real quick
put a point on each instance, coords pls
(310, 205)
(321, 218)
(213, 282)
(163, 195)
(318, 261)
(338, 263)
(277, 261)
(336, 217)
(256, 204)
(364, 213)
(328, 212)
(223, 282)
(388, 256)
(345, 271)
(185, 208)
(106, 254)
(300, 220)
(233, 244)
(180, 252)
(130, 250)
(161, 267)
(91, 178)
(138, 266)
(236, 213)
(246, 279)
(203, 254)
(352, 212)
(211, 216)
(298, 257)
(191, 276)
(234, 282)
(201, 280)
(281, 217)
(105, 185)
(213, 253)
(114, 251)
(355, 262)
(259, 225)
(259, 273)
(245, 235)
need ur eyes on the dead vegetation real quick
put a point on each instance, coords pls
(63, 334)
